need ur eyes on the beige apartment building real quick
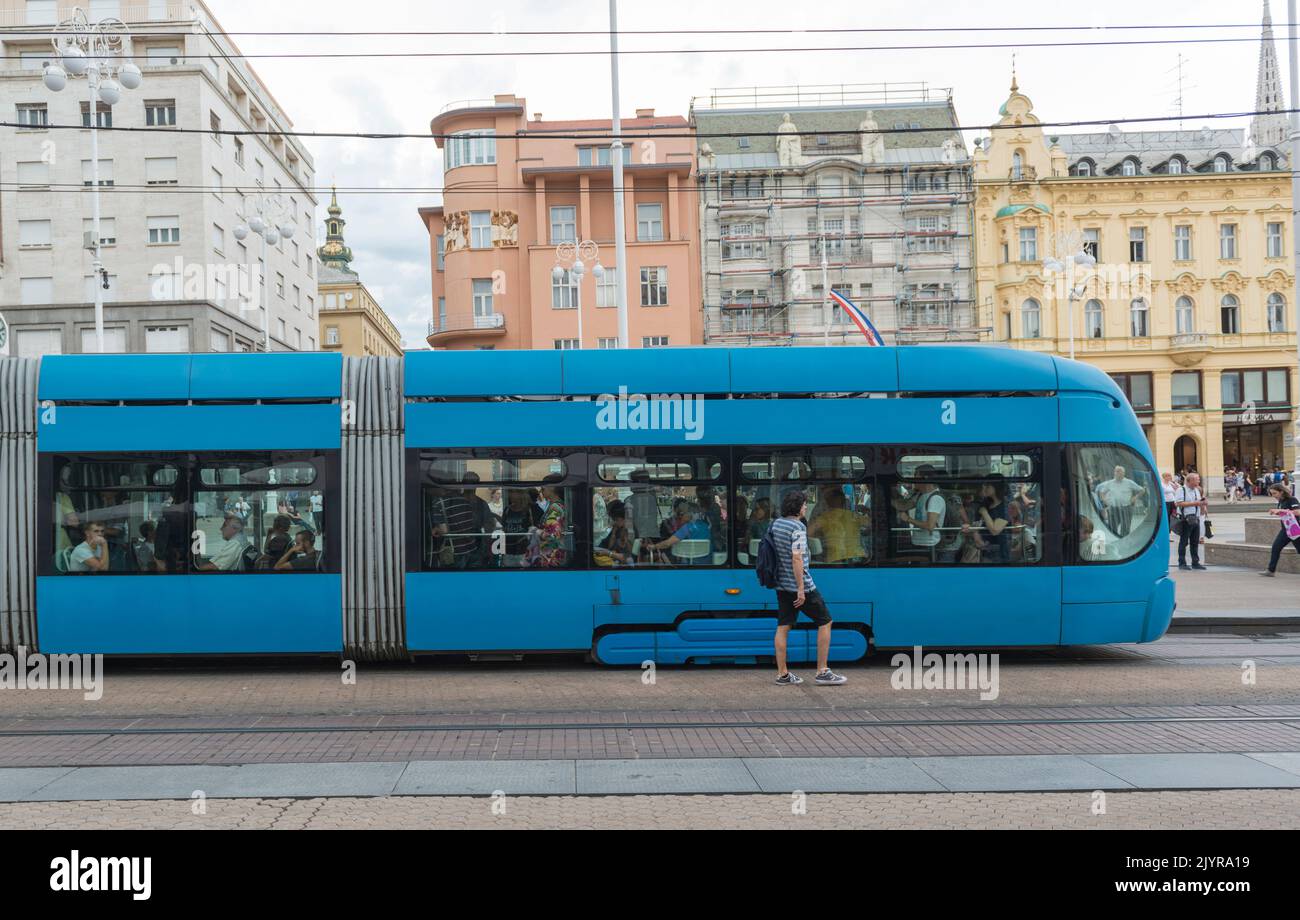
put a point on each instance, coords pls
(351, 320)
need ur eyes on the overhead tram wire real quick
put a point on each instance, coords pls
(651, 134)
(584, 52)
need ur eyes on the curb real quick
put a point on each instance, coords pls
(1240, 626)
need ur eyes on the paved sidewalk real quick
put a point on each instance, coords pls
(1227, 810)
(750, 775)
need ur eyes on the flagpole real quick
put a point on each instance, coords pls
(826, 295)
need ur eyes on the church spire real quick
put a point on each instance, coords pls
(335, 252)
(1270, 129)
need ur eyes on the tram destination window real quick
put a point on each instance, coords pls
(119, 517)
(659, 509)
(1114, 502)
(964, 506)
(498, 509)
(839, 497)
(258, 515)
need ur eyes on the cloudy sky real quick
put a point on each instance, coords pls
(401, 94)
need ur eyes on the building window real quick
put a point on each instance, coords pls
(1268, 387)
(1230, 313)
(1183, 243)
(1031, 319)
(1267, 163)
(214, 125)
(218, 185)
(160, 113)
(1184, 316)
(239, 151)
(480, 229)
(164, 230)
(34, 174)
(1092, 242)
(114, 341)
(654, 341)
(1220, 164)
(1084, 168)
(564, 290)
(1137, 390)
(160, 171)
(471, 148)
(564, 224)
(34, 115)
(442, 252)
(42, 12)
(483, 297)
(649, 223)
(654, 287)
(442, 312)
(566, 344)
(218, 239)
(601, 156)
(1186, 390)
(34, 234)
(1276, 313)
(1093, 320)
(1275, 240)
(1028, 244)
(35, 291)
(1228, 241)
(1137, 244)
(607, 288)
(607, 344)
(1129, 168)
(1175, 167)
(167, 339)
(1139, 319)
(105, 173)
(103, 115)
(1018, 170)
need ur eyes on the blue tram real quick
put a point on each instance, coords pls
(603, 503)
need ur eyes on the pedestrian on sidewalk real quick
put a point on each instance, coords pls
(1191, 510)
(1288, 509)
(1170, 488)
(796, 591)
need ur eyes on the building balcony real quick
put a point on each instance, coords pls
(466, 325)
(1188, 348)
(1023, 174)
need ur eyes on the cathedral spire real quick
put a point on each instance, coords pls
(335, 252)
(1272, 128)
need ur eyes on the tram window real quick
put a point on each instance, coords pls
(1118, 499)
(260, 515)
(660, 510)
(124, 518)
(492, 509)
(839, 505)
(969, 506)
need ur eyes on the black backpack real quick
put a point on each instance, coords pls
(767, 567)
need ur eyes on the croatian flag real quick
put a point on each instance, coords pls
(860, 318)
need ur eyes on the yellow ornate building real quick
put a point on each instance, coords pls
(1190, 303)
(351, 321)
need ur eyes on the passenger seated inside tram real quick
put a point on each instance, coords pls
(519, 516)
(92, 554)
(992, 520)
(741, 533)
(277, 542)
(839, 529)
(711, 511)
(302, 556)
(616, 547)
(229, 556)
(690, 530)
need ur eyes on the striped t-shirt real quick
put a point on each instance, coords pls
(790, 535)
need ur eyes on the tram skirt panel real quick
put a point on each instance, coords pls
(373, 493)
(18, 379)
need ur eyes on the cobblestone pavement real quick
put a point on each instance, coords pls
(1230, 810)
(1177, 670)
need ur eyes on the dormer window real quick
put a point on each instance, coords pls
(1220, 164)
(1175, 167)
(1129, 168)
(1267, 163)
(1083, 169)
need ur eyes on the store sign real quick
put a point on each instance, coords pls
(1248, 414)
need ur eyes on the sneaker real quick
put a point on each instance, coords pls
(830, 678)
(1200, 568)
(1269, 574)
(1184, 568)
(789, 680)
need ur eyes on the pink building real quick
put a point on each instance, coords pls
(514, 189)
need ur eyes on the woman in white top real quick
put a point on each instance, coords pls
(1170, 489)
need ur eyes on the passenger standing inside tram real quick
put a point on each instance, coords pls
(642, 507)
(520, 515)
(552, 550)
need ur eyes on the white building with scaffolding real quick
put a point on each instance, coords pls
(868, 187)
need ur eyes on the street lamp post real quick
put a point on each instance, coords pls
(569, 257)
(271, 219)
(1063, 265)
(93, 50)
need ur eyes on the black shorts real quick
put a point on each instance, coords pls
(813, 606)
